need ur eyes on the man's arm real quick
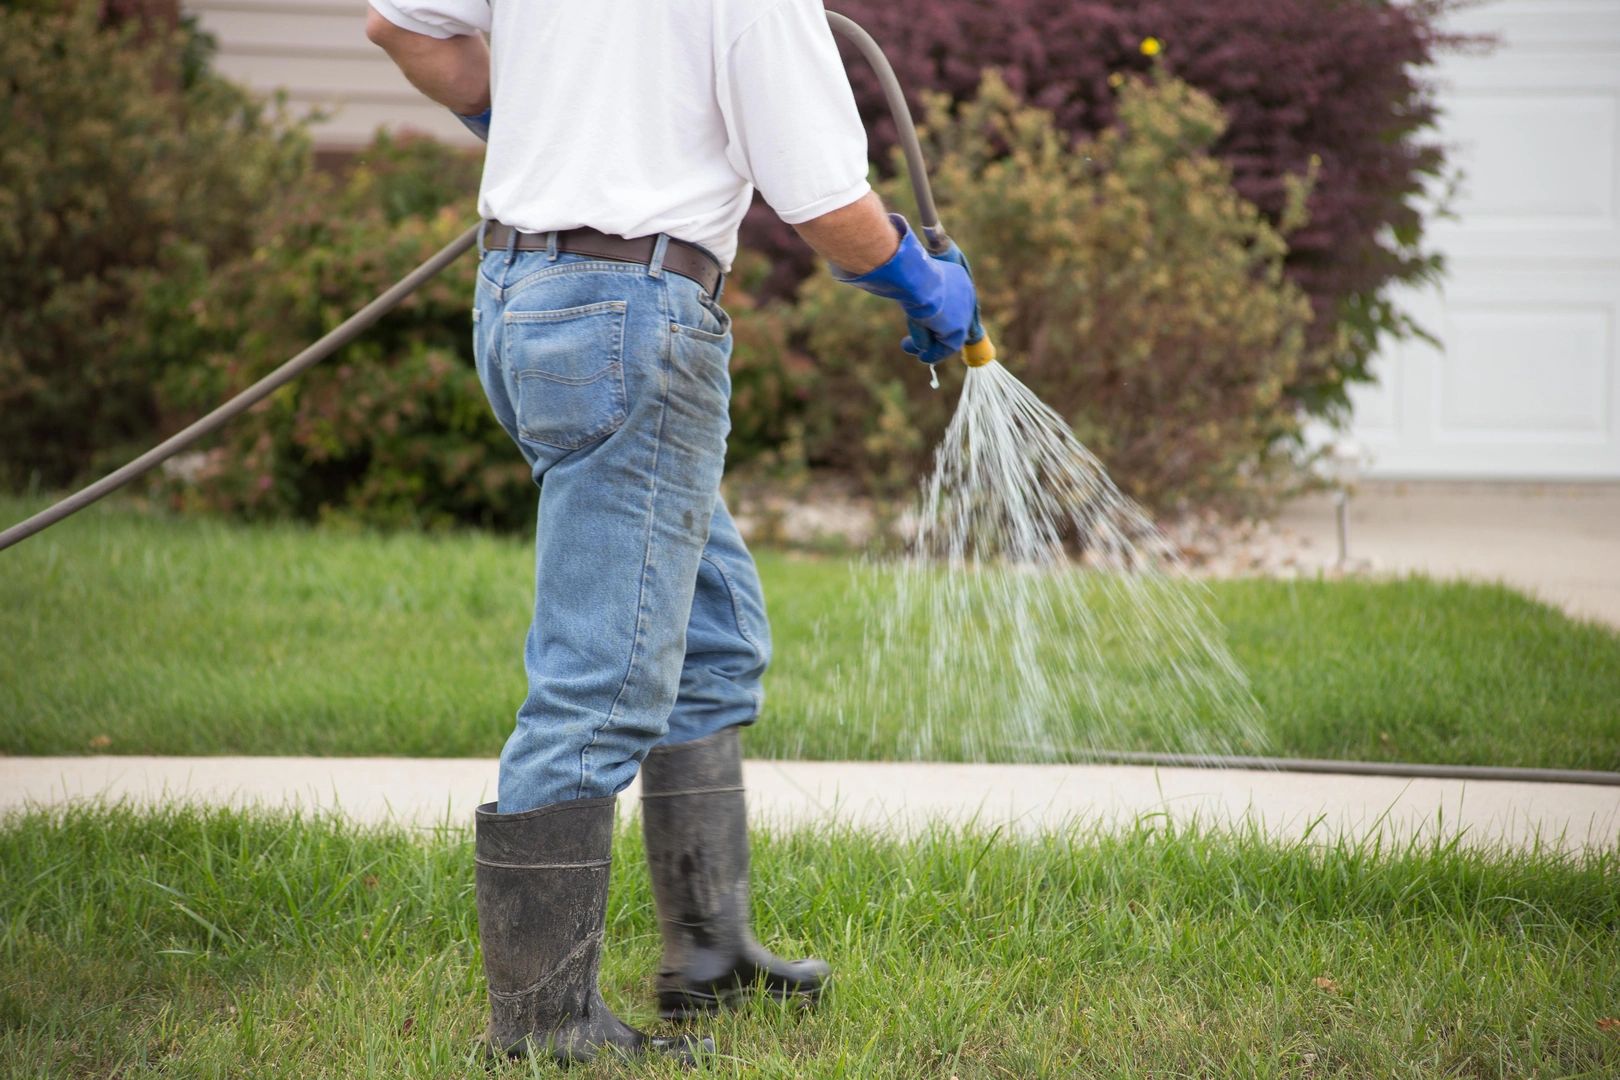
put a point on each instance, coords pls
(878, 253)
(453, 71)
(858, 237)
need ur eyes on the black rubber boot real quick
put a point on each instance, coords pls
(542, 885)
(693, 817)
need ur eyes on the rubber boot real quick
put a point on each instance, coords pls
(542, 886)
(693, 818)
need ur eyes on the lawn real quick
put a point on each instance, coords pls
(133, 633)
(187, 943)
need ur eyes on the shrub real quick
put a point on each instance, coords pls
(393, 429)
(123, 162)
(770, 376)
(1334, 81)
(1127, 282)
(188, 245)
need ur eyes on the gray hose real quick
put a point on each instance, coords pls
(1359, 768)
(927, 215)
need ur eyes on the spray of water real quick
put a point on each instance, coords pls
(1037, 614)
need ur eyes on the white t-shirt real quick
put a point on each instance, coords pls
(645, 116)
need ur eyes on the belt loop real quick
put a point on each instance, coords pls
(655, 268)
(719, 287)
(511, 247)
(551, 246)
(483, 223)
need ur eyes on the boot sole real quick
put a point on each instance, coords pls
(692, 1004)
(688, 1051)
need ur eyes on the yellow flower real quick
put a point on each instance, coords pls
(1116, 80)
(1151, 46)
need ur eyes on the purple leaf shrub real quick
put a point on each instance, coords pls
(1340, 81)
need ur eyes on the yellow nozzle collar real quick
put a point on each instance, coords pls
(979, 353)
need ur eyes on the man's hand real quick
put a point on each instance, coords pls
(936, 293)
(923, 341)
(453, 71)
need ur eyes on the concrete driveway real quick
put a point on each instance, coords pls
(1560, 543)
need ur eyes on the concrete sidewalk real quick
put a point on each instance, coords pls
(883, 796)
(1560, 542)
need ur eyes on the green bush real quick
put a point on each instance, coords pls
(1124, 280)
(124, 163)
(1350, 82)
(770, 376)
(393, 429)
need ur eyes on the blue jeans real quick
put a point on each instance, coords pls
(649, 624)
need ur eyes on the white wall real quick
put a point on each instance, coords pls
(1526, 383)
(317, 51)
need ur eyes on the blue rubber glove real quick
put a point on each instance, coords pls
(935, 293)
(477, 124)
(922, 340)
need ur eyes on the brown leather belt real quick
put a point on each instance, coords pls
(687, 260)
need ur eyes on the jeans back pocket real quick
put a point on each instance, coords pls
(569, 369)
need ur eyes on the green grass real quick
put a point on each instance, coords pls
(130, 633)
(215, 943)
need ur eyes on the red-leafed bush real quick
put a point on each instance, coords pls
(1337, 80)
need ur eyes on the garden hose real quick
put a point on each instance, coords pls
(975, 354)
(1407, 769)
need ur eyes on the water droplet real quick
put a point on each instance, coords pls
(933, 376)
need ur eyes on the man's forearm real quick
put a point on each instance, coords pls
(452, 71)
(857, 237)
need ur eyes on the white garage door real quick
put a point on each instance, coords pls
(1526, 382)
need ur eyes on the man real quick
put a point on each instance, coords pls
(626, 138)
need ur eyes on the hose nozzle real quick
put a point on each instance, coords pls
(979, 353)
